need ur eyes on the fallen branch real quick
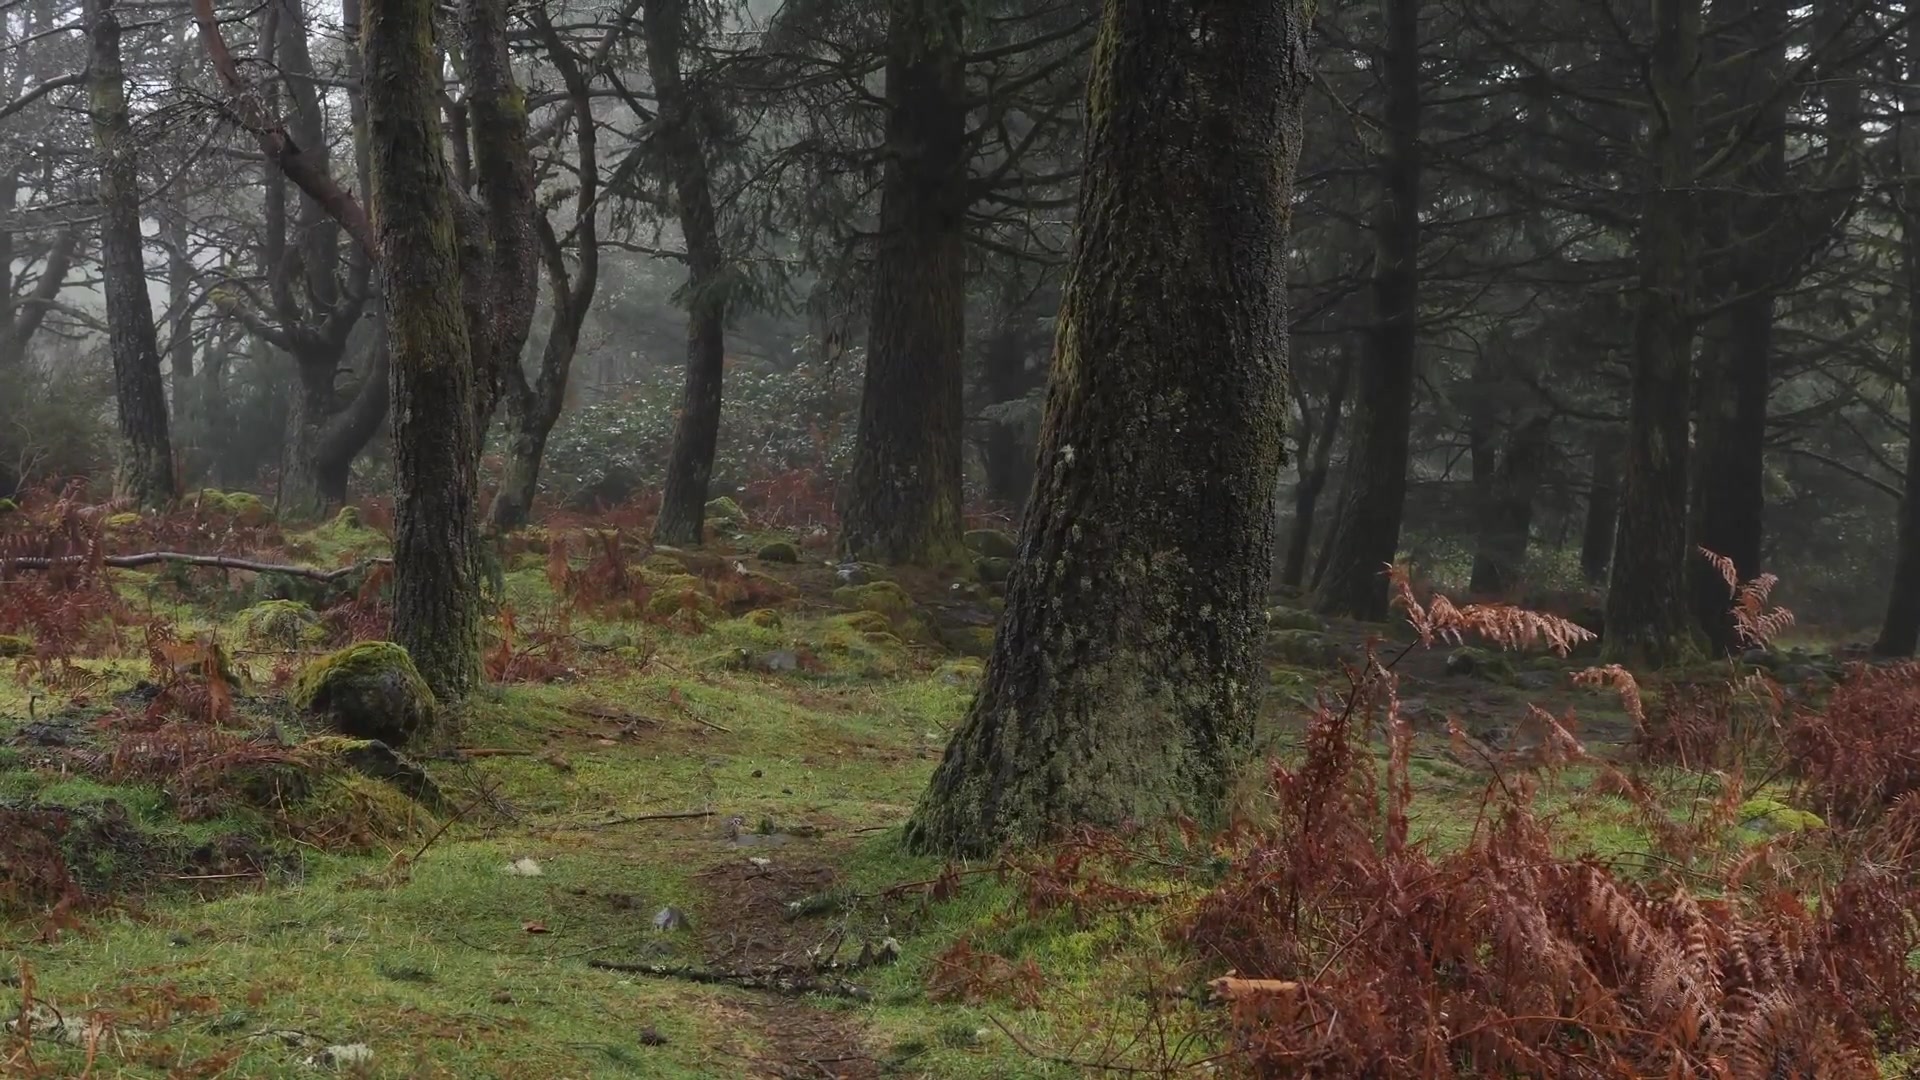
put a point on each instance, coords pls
(775, 979)
(224, 562)
(631, 819)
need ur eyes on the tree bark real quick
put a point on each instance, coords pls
(145, 466)
(1316, 462)
(1648, 618)
(1006, 449)
(436, 602)
(533, 408)
(1603, 508)
(1728, 506)
(1368, 539)
(902, 502)
(1124, 680)
(696, 431)
(1900, 631)
(1506, 518)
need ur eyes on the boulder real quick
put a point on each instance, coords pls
(284, 624)
(994, 569)
(992, 544)
(779, 551)
(883, 597)
(724, 513)
(1480, 664)
(368, 690)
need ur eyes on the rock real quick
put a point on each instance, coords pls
(882, 597)
(1760, 658)
(347, 1056)
(1770, 816)
(992, 544)
(780, 551)
(1537, 680)
(961, 672)
(669, 918)
(13, 646)
(286, 624)
(994, 570)
(777, 661)
(682, 592)
(723, 512)
(241, 504)
(369, 690)
(971, 641)
(853, 574)
(376, 760)
(1481, 664)
(1304, 648)
(123, 521)
(524, 868)
(1291, 618)
(764, 618)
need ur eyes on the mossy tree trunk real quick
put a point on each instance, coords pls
(532, 407)
(1375, 488)
(1123, 681)
(145, 460)
(902, 502)
(1900, 631)
(1648, 617)
(696, 431)
(436, 614)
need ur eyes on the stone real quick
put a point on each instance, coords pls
(992, 544)
(779, 551)
(368, 690)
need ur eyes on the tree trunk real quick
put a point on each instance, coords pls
(1376, 487)
(1006, 452)
(1900, 632)
(1648, 619)
(145, 471)
(696, 431)
(324, 436)
(1315, 465)
(1506, 518)
(902, 502)
(436, 602)
(1603, 508)
(1124, 680)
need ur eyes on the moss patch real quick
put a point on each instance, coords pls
(369, 690)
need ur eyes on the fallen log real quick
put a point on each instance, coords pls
(780, 980)
(223, 562)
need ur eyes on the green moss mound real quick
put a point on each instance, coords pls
(13, 646)
(661, 562)
(993, 570)
(764, 618)
(881, 597)
(723, 512)
(682, 592)
(1303, 648)
(1290, 618)
(1481, 664)
(369, 690)
(779, 551)
(284, 624)
(991, 544)
(8, 506)
(241, 504)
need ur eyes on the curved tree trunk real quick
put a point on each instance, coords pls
(1123, 683)
(145, 470)
(533, 408)
(436, 603)
(1355, 581)
(696, 432)
(902, 502)
(1648, 619)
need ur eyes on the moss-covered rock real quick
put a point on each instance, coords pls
(961, 672)
(764, 618)
(13, 646)
(8, 506)
(122, 521)
(1291, 618)
(779, 551)
(723, 512)
(1772, 816)
(994, 570)
(867, 622)
(284, 624)
(241, 504)
(664, 563)
(682, 592)
(368, 690)
(992, 544)
(1304, 648)
(378, 761)
(1481, 664)
(884, 597)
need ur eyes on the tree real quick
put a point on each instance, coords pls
(902, 501)
(1367, 537)
(1123, 682)
(696, 430)
(1900, 631)
(1648, 619)
(145, 472)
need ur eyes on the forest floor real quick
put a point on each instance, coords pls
(716, 791)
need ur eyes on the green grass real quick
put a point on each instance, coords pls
(432, 965)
